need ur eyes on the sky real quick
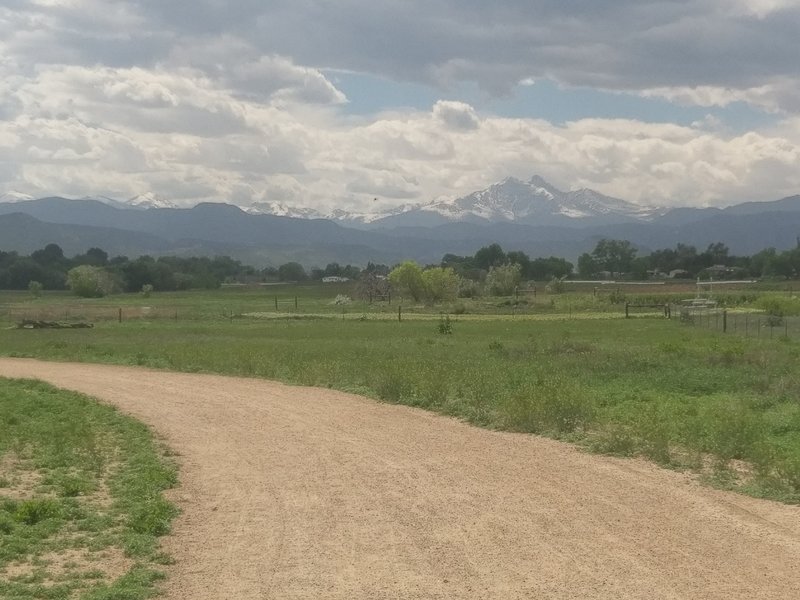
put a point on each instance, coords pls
(363, 105)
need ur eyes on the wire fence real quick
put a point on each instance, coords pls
(746, 324)
(75, 312)
(93, 312)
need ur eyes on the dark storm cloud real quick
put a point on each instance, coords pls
(621, 45)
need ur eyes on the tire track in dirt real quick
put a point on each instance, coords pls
(293, 492)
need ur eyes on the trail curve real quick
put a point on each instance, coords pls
(293, 492)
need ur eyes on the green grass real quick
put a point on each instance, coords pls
(81, 480)
(566, 366)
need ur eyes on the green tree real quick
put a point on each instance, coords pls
(517, 257)
(587, 267)
(542, 269)
(407, 277)
(440, 283)
(503, 280)
(50, 256)
(490, 256)
(94, 256)
(615, 256)
(89, 282)
(292, 271)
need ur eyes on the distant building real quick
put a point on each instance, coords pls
(723, 272)
(334, 279)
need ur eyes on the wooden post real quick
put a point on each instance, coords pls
(119, 315)
(400, 313)
(176, 314)
(725, 321)
(276, 303)
(626, 310)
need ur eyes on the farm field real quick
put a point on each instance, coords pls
(567, 366)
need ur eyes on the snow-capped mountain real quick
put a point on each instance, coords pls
(279, 209)
(11, 197)
(341, 216)
(533, 202)
(149, 200)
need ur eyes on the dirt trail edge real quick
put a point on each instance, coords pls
(294, 492)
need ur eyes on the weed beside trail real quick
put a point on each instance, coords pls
(80, 502)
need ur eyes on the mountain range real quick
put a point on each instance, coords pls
(532, 216)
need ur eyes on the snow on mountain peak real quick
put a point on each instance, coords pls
(150, 200)
(535, 202)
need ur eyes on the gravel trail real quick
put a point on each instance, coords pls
(295, 492)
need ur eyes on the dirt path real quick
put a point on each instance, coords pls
(292, 492)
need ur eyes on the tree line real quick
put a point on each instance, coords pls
(94, 273)
(491, 268)
(618, 258)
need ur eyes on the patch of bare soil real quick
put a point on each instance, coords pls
(291, 492)
(21, 477)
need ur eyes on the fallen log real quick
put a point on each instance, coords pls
(34, 324)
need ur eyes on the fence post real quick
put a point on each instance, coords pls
(400, 313)
(119, 315)
(725, 321)
(627, 315)
(176, 314)
(276, 303)
(746, 320)
(295, 302)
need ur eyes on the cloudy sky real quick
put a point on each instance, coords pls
(364, 105)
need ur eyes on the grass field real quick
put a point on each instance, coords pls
(81, 507)
(687, 398)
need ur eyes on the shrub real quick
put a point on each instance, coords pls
(90, 282)
(32, 512)
(556, 286)
(35, 288)
(445, 327)
(617, 297)
(468, 288)
(502, 281)
(779, 306)
(147, 289)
